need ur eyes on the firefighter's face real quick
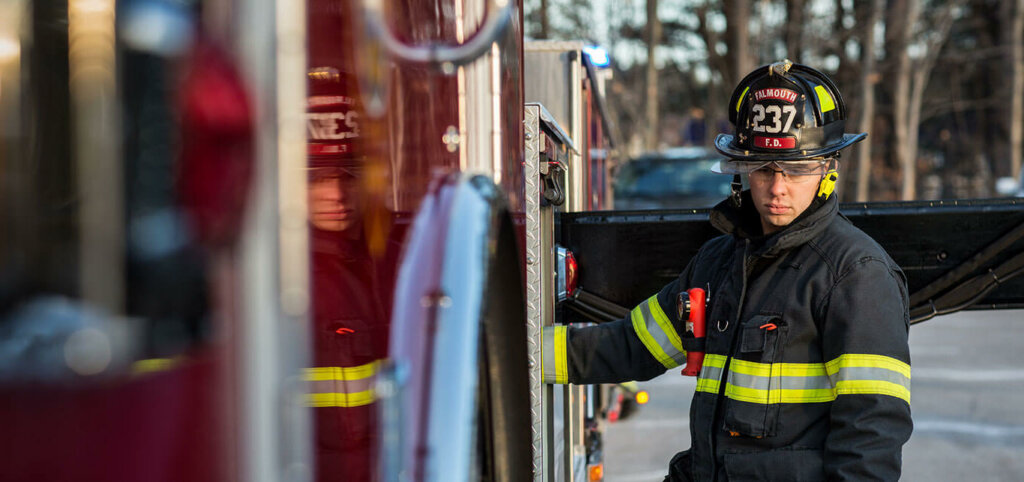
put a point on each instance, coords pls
(779, 199)
(333, 199)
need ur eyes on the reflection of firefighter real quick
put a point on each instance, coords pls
(806, 374)
(349, 320)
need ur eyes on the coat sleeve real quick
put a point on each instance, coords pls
(639, 347)
(866, 325)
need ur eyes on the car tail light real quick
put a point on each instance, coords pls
(567, 274)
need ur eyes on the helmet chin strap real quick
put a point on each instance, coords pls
(737, 188)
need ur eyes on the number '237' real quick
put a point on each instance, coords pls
(775, 112)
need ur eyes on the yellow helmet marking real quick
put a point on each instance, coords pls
(825, 99)
(744, 94)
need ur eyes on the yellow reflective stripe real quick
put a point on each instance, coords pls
(717, 361)
(710, 372)
(561, 357)
(873, 387)
(824, 99)
(340, 373)
(763, 373)
(357, 399)
(744, 94)
(554, 359)
(666, 326)
(855, 363)
(343, 378)
(868, 361)
(777, 395)
(707, 385)
(777, 369)
(640, 327)
(151, 365)
(846, 375)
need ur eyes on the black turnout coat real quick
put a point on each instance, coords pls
(806, 373)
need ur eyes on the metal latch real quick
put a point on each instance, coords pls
(551, 184)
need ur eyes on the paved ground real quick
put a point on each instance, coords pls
(968, 406)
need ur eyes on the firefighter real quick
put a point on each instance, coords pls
(350, 324)
(806, 373)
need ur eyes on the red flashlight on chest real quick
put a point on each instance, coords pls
(691, 305)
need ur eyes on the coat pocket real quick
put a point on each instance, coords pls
(776, 465)
(752, 406)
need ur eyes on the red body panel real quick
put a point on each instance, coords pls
(168, 426)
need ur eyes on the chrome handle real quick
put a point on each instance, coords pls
(444, 55)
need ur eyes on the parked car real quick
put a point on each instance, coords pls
(671, 179)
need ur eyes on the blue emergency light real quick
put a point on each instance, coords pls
(598, 56)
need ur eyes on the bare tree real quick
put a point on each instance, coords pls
(558, 19)
(794, 29)
(1015, 54)
(912, 74)
(737, 39)
(868, 78)
(901, 18)
(543, 19)
(737, 60)
(653, 39)
(719, 90)
(535, 19)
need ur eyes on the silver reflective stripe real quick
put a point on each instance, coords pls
(868, 374)
(553, 359)
(850, 374)
(341, 386)
(656, 332)
(547, 354)
(709, 372)
(779, 382)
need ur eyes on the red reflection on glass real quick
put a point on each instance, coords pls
(217, 153)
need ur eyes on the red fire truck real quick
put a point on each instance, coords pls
(160, 307)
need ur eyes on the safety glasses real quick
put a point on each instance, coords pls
(793, 171)
(323, 174)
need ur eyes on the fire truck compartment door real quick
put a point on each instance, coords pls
(957, 254)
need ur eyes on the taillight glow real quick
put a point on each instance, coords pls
(570, 273)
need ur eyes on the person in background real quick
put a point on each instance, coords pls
(350, 320)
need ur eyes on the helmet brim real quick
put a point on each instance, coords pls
(724, 144)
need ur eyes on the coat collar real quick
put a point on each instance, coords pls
(348, 245)
(745, 223)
